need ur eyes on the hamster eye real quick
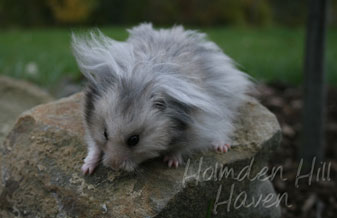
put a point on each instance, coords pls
(132, 140)
(106, 135)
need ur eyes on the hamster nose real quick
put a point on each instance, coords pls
(116, 164)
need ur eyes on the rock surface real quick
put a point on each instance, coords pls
(41, 159)
(15, 98)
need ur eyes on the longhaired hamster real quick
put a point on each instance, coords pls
(166, 92)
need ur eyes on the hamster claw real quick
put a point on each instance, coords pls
(172, 161)
(88, 168)
(222, 148)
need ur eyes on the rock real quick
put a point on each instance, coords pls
(41, 177)
(15, 98)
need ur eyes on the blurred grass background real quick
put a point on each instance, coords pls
(43, 56)
(265, 37)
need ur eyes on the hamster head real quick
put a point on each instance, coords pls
(129, 123)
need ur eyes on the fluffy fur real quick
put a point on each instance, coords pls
(175, 89)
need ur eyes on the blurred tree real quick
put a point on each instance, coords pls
(163, 12)
(289, 12)
(332, 13)
(220, 12)
(72, 11)
(257, 12)
(24, 13)
(135, 11)
(228, 12)
(109, 12)
(190, 12)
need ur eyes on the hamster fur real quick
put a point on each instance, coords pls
(166, 92)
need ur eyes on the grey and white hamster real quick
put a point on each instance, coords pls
(166, 92)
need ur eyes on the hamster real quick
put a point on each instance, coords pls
(166, 92)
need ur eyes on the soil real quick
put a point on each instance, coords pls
(318, 199)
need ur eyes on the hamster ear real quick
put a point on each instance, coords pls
(93, 57)
(159, 102)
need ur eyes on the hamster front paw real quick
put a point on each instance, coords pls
(222, 148)
(91, 161)
(173, 160)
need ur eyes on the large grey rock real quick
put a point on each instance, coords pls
(41, 159)
(15, 98)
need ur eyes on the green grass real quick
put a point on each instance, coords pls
(268, 54)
